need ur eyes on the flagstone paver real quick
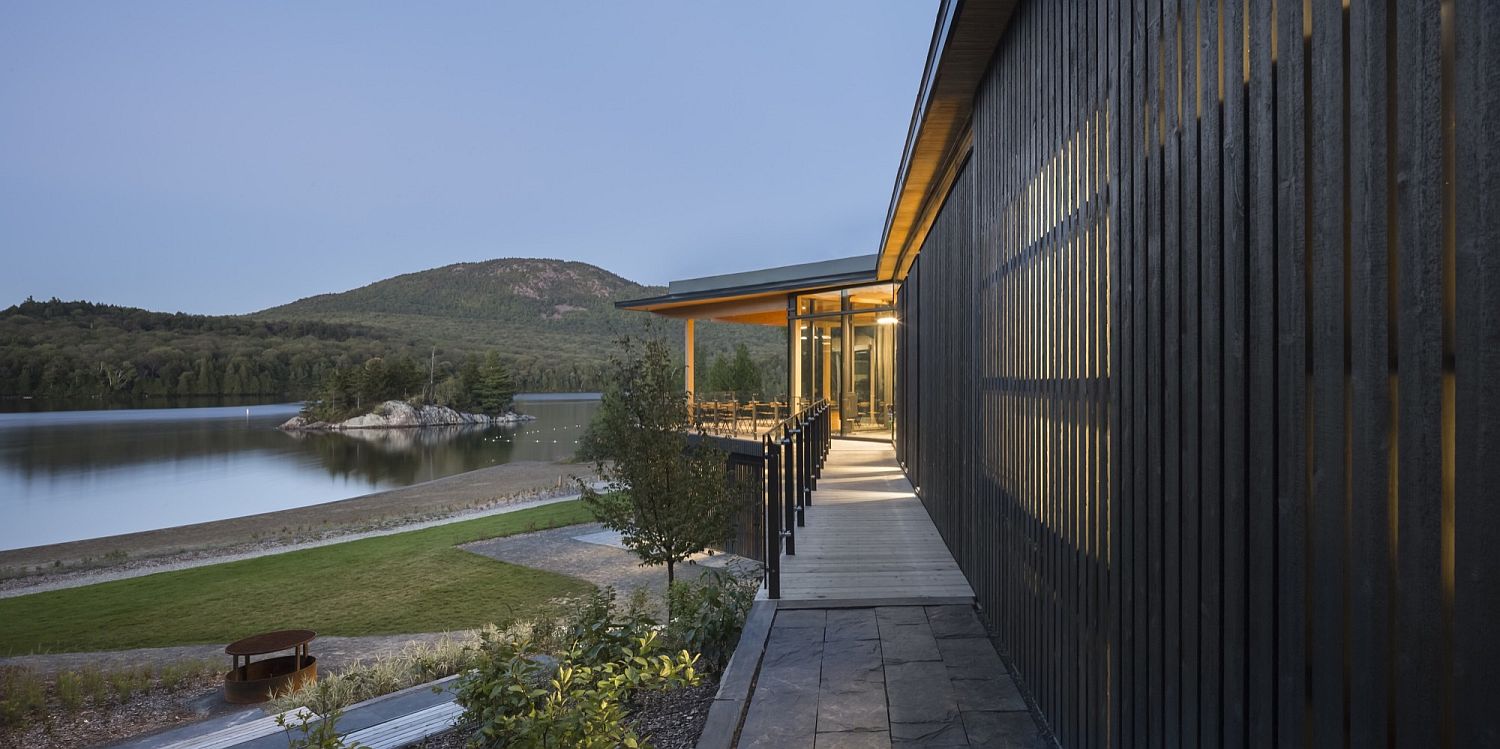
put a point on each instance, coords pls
(893, 676)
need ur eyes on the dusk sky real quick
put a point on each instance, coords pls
(227, 157)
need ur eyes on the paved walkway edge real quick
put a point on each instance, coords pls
(870, 603)
(728, 709)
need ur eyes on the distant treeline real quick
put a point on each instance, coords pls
(57, 349)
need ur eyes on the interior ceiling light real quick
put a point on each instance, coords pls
(887, 320)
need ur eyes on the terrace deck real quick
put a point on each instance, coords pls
(868, 540)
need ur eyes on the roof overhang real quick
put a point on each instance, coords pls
(939, 138)
(754, 297)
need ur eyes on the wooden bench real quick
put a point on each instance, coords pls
(241, 733)
(407, 729)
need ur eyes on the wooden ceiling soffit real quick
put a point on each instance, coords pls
(769, 309)
(967, 33)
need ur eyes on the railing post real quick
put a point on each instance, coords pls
(804, 464)
(827, 430)
(789, 493)
(771, 453)
(815, 470)
(794, 469)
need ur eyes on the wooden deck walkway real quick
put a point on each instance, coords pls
(868, 540)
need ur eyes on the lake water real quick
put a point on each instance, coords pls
(70, 475)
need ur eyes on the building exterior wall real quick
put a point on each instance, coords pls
(1198, 370)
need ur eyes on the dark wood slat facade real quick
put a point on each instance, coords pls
(1198, 372)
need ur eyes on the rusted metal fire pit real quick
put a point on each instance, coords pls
(248, 682)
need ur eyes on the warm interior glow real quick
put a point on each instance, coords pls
(886, 320)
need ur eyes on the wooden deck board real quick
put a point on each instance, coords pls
(238, 734)
(868, 537)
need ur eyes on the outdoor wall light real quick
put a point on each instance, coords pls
(887, 320)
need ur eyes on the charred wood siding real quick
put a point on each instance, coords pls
(1200, 370)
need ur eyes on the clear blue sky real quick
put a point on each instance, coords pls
(227, 157)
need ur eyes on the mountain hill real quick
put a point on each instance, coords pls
(552, 321)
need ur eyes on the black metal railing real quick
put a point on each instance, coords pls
(793, 451)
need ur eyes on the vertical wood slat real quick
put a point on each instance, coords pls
(1140, 525)
(1477, 391)
(1419, 376)
(1119, 585)
(1326, 309)
(1154, 295)
(1292, 187)
(1171, 348)
(1370, 377)
(1234, 387)
(1211, 357)
(1260, 428)
(1190, 312)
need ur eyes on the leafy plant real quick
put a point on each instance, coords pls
(598, 633)
(707, 615)
(667, 498)
(523, 700)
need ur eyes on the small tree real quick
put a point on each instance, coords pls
(667, 498)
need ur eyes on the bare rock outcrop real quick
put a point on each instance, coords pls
(403, 415)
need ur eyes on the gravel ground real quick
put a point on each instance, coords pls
(145, 712)
(455, 738)
(559, 550)
(673, 719)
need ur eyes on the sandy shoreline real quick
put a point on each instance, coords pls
(486, 491)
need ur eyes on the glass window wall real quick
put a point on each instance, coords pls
(844, 350)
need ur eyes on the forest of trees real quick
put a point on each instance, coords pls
(66, 350)
(738, 375)
(56, 349)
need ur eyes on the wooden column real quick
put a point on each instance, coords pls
(687, 357)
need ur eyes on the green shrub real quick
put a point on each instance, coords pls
(521, 699)
(707, 615)
(600, 629)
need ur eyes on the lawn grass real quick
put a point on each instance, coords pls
(407, 582)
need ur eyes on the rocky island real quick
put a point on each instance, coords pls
(394, 414)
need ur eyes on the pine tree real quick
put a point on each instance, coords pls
(492, 391)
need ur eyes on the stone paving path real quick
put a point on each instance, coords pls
(896, 676)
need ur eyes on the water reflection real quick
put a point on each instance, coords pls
(81, 474)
